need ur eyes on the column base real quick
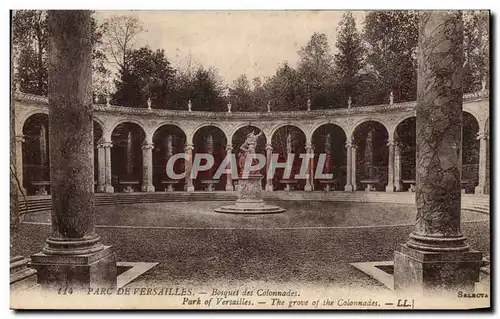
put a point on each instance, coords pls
(94, 270)
(348, 188)
(229, 188)
(269, 188)
(21, 277)
(420, 272)
(308, 188)
(398, 187)
(389, 188)
(480, 190)
(190, 188)
(100, 189)
(148, 188)
(109, 189)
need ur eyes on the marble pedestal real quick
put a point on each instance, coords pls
(94, 270)
(250, 199)
(21, 277)
(421, 272)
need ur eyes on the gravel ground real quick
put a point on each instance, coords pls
(225, 253)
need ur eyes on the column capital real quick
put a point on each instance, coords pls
(147, 146)
(229, 148)
(391, 142)
(20, 138)
(309, 147)
(104, 144)
(189, 147)
(348, 144)
(269, 147)
(483, 135)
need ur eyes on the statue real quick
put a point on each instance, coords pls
(149, 103)
(248, 147)
(349, 103)
(108, 99)
(268, 106)
(189, 106)
(308, 104)
(391, 99)
(229, 107)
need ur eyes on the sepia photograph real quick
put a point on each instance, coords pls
(250, 159)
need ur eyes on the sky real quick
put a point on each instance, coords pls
(254, 43)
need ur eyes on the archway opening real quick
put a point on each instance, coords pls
(209, 140)
(405, 154)
(330, 139)
(97, 137)
(286, 140)
(168, 140)
(470, 153)
(36, 159)
(371, 156)
(239, 137)
(126, 157)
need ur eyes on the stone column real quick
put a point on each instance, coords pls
(269, 179)
(484, 171)
(390, 168)
(189, 166)
(309, 152)
(436, 257)
(101, 166)
(147, 167)
(353, 167)
(108, 184)
(229, 176)
(74, 255)
(348, 186)
(397, 167)
(19, 164)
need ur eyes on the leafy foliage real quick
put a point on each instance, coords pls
(148, 75)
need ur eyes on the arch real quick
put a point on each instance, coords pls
(31, 114)
(158, 126)
(372, 157)
(35, 153)
(100, 122)
(202, 125)
(399, 121)
(358, 123)
(329, 139)
(141, 124)
(317, 126)
(209, 139)
(239, 126)
(277, 127)
(168, 140)
(127, 156)
(478, 121)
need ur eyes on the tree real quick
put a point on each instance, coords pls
(202, 86)
(285, 91)
(315, 69)
(476, 50)
(258, 95)
(30, 48)
(241, 94)
(121, 33)
(148, 75)
(349, 61)
(391, 38)
(30, 42)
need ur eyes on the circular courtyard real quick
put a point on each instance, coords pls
(312, 242)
